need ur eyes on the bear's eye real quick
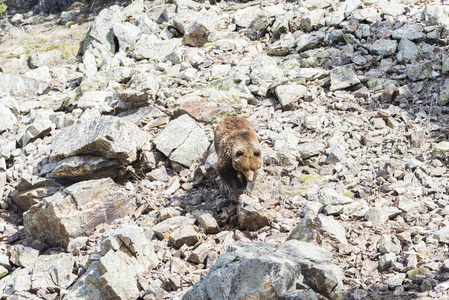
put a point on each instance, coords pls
(257, 153)
(239, 153)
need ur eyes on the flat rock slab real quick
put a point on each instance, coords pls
(343, 77)
(76, 211)
(183, 141)
(7, 118)
(269, 271)
(108, 136)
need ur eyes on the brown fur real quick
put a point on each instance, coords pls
(238, 151)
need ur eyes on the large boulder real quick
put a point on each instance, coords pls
(269, 271)
(125, 253)
(183, 141)
(76, 211)
(95, 149)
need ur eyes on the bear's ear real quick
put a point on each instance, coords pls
(257, 153)
(239, 153)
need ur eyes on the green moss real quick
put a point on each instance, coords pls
(415, 272)
(349, 194)
(307, 178)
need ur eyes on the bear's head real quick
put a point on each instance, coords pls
(247, 160)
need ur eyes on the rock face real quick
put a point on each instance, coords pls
(76, 211)
(264, 268)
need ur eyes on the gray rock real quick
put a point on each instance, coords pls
(152, 48)
(407, 51)
(18, 281)
(337, 16)
(164, 228)
(251, 214)
(343, 77)
(380, 215)
(183, 141)
(269, 270)
(321, 229)
(259, 25)
(38, 129)
(110, 137)
(441, 150)
(41, 59)
(307, 150)
(53, 272)
(410, 32)
(264, 71)
(95, 99)
(126, 34)
(436, 15)
(76, 211)
(331, 197)
(243, 17)
(23, 256)
(368, 13)
(31, 190)
(419, 70)
(384, 47)
(125, 254)
(309, 41)
(11, 85)
(443, 235)
(100, 38)
(7, 118)
(336, 155)
(289, 95)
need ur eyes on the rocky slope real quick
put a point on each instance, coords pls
(107, 180)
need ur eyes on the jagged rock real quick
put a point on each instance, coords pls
(100, 38)
(307, 150)
(23, 256)
(336, 155)
(320, 229)
(270, 271)
(197, 33)
(289, 95)
(419, 70)
(41, 59)
(76, 211)
(166, 227)
(186, 234)
(31, 190)
(443, 99)
(259, 25)
(343, 77)
(18, 281)
(126, 35)
(384, 47)
(407, 51)
(108, 136)
(409, 31)
(53, 272)
(183, 141)
(38, 129)
(152, 48)
(243, 17)
(390, 93)
(436, 15)
(125, 254)
(380, 215)
(309, 41)
(251, 214)
(441, 149)
(7, 118)
(264, 71)
(208, 222)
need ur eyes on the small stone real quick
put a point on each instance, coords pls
(251, 215)
(209, 223)
(417, 138)
(386, 261)
(384, 47)
(390, 93)
(185, 234)
(289, 95)
(380, 215)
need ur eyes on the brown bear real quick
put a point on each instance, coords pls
(238, 152)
